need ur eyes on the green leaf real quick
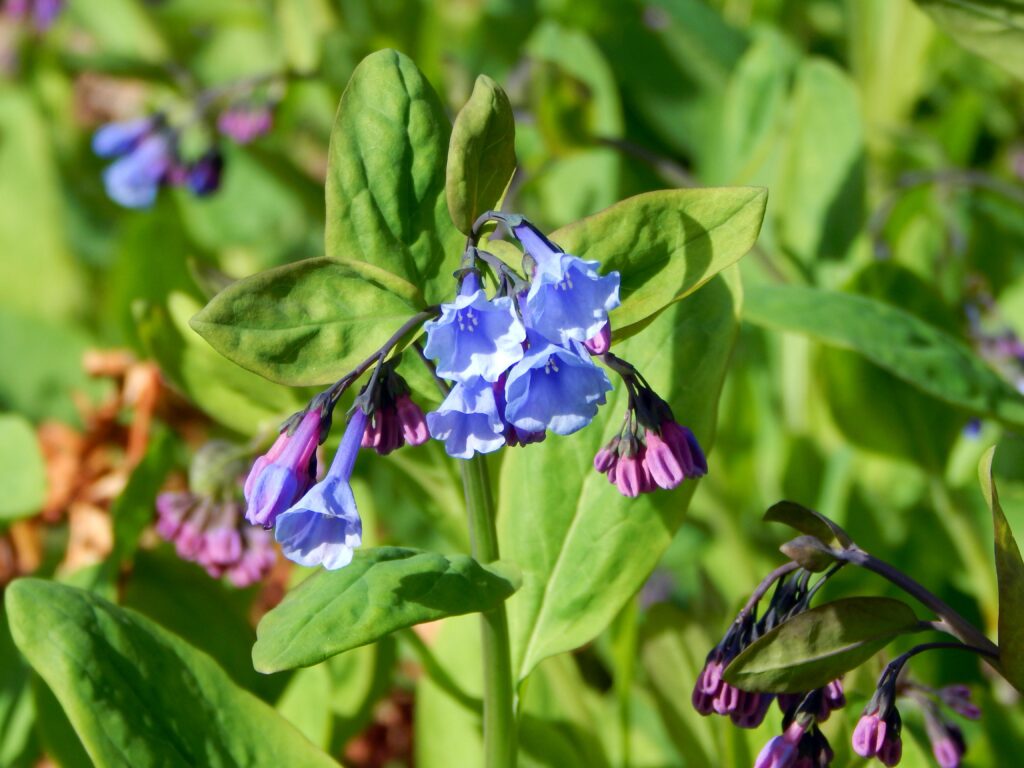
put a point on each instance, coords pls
(666, 244)
(587, 549)
(139, 695)
(817, 646)
(902, 344)
(16, 711)
(22, 473)
(229, 395)
(386, 175)
(482, 154)
(1010, 573)
(990, 28)
(307, 323)
(807, 521)
(382, 590)
(820, 192)
(49, 372)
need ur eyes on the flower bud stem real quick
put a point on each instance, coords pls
(959, 627)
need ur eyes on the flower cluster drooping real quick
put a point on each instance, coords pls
(148, 153)
(513, 366)
(801, 742)
(146, 158)
(205, 524)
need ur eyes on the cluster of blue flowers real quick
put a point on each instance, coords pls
(520, 363)
(146, 154)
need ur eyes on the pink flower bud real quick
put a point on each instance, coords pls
(414, 423)
(601, 341)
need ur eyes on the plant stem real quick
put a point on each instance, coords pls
(958, 625)
(499, 726)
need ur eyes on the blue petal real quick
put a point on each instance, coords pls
(475, 337)
(468, 421)
(554, 388)
(573, 301)
(323, 528)
(117, 138)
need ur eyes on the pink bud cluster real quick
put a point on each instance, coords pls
(663, 458)
(394, 424)
(712, 694)
(212, 534)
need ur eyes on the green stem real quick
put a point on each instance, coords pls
(499, 725)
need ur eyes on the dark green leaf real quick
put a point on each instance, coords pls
(135, 507)
(1010, 573)
(482, 153)
(666, 244)
(991, 28)
(16, 712)
(908, 347)
(382, 590)
(22, 474)
(385, 181)
(815, 647)
(139, 695)
(304, 323)
(807, 521)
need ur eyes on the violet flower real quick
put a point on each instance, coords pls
(323, 527)
(468, 421)
(282, 475)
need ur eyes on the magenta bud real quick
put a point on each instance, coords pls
(414, 423)
(869, 735)
(777, 753)
(601, 341)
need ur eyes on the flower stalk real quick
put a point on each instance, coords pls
(499, 725)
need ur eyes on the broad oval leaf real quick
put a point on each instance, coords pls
(1010, 574)
(382, 590)
(307, 323)
(22, 474)
(386, 201)
(990, 28)
(234, 397)
(817, 646)
(902, 344)
(139, 695)
(587, 549)
(666, 244)
(807, 521)
(482, 153)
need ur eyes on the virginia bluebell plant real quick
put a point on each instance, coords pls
(514, 365)
(147, 152)
(878, 732)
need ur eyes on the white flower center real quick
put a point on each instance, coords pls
(551, 365)
(467, 319)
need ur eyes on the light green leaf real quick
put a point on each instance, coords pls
(305, 323)
(38, 272)
(386, 175)
(1010, 573)
(139, 695)
(817, 646)
(16, 711)
(22, 473)
(134, 507)
(990, 28)
(666, 244)
(229, 395)
(584, 549)
(820, 192)
(902, 344)
(482, 154)
(382, 590)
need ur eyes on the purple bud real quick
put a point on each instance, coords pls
(413, 420)
(204, 175)
(869, 735)
(278, 479)
(777, 753)
(947, 753)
